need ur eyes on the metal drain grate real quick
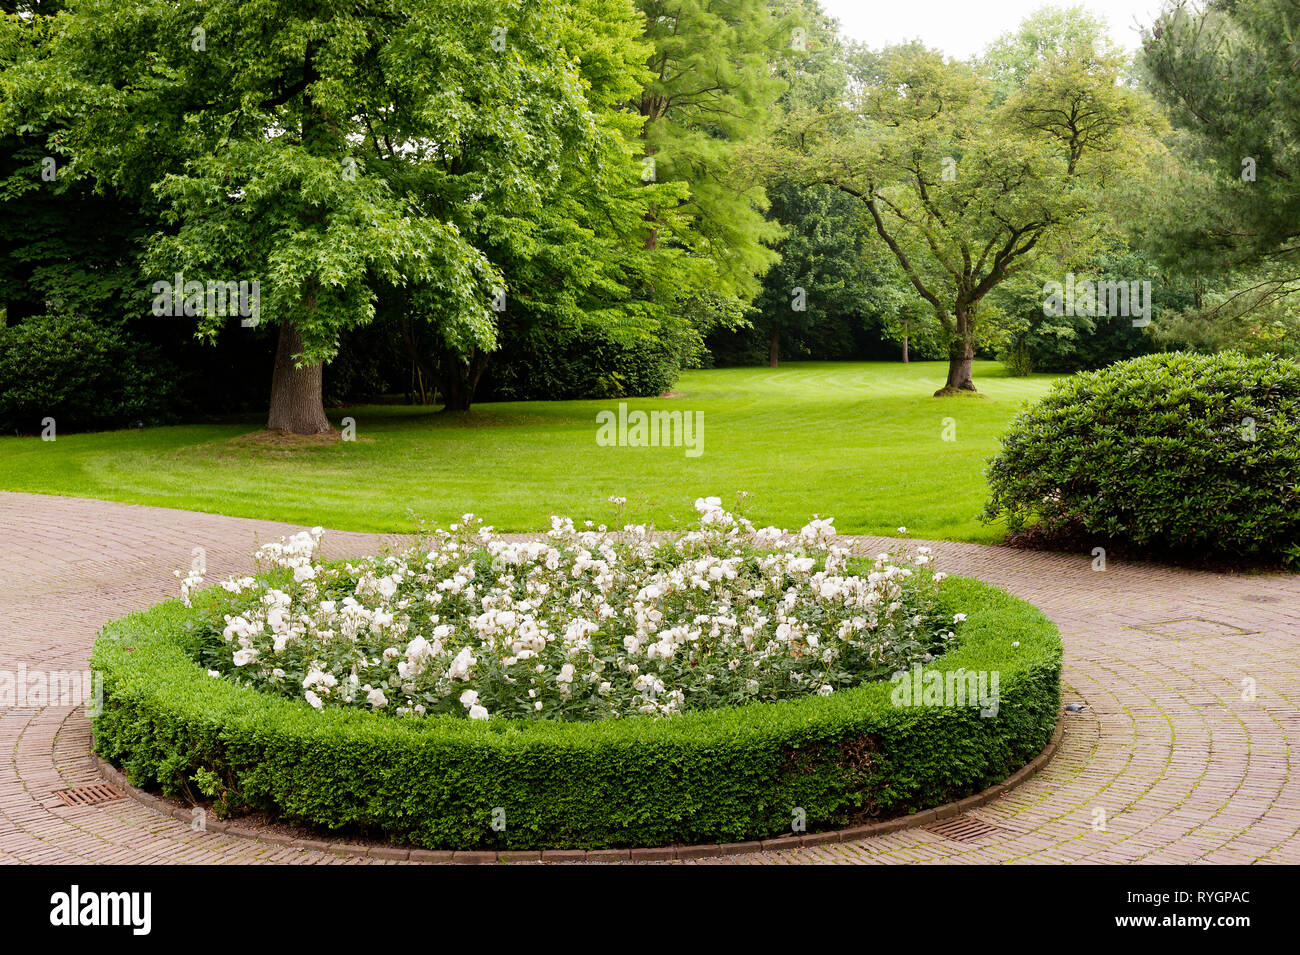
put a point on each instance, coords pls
(963, 829)
(89, 795)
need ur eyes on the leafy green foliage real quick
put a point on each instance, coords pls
(968, 183)
(462, 152)
(562, 365)
(822, 256)
(722, 776)
(1011, 61)
(1226, 72)
(48, 254)
(80, 373)
(1028, 340)
(708, 95)
(1251, 311)
(1172, 453)
(1227, 75)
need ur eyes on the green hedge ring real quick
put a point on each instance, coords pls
(728, 775)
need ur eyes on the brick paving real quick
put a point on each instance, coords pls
(1182, 762)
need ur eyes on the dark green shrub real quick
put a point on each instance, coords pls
(569, 364)
(724, 775)
(1175, 454)
(80, 373)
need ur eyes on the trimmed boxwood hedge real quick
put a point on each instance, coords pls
(717, 776)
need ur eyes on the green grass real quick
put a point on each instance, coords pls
(862, 442)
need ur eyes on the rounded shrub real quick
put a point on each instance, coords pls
(724, 775)
(1178, 454)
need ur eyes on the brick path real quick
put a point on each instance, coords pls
(1183, 768)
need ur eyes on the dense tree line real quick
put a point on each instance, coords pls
(459, 200)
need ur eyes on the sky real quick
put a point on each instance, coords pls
(963, 28)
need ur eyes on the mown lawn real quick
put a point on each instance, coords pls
(862, 442)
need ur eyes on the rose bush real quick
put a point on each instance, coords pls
(589, 623)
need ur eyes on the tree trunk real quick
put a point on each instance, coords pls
(905, 358)
(422, 374)
(961, 353)
(296, 403)
(774, 352)
(458, 379)
(959, 373)
(456, 396)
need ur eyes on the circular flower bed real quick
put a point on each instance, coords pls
(593, 689)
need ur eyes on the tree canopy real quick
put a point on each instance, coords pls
(964, 191)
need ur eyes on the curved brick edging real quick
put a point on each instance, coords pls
(185, 814)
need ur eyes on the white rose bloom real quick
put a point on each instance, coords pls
(460, 667)
(477, 712)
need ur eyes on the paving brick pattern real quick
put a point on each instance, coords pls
(1174, 752)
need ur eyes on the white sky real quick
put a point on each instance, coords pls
(962, 28)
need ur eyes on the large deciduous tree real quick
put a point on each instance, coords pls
(964, 191)
(326, 151)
